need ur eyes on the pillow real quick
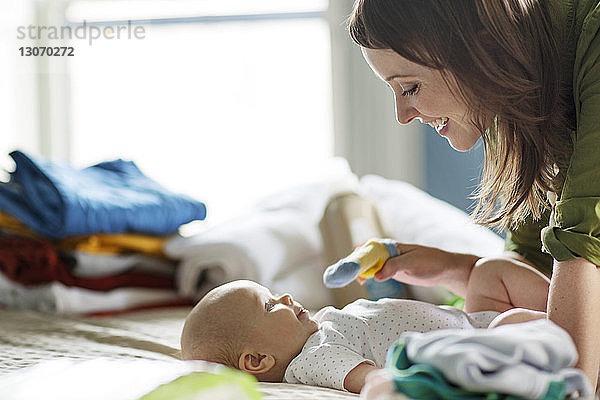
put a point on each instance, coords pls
(410, 215)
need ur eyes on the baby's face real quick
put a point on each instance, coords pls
(278, 324)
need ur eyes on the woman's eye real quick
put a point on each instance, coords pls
(411, 91)
(269, 306)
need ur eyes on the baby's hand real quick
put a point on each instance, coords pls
(378, 386)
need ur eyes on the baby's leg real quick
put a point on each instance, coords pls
(499, 284)
(517, 315)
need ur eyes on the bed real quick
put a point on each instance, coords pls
(124, 356)
(30, 340)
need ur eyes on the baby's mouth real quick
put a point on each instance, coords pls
(301, 312)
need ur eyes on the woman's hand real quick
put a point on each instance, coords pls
(429, 266)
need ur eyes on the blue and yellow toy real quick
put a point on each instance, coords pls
(364, 262)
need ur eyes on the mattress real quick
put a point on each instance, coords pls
(30, 340)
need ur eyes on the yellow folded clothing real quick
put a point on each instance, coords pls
(100, 243)
(13, 226)
(116, 243)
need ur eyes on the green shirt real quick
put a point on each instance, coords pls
(574, 230)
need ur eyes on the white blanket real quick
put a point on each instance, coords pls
(141, 348)
(410, 215)
(518, 359)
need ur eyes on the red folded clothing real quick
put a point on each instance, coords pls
(34, 261)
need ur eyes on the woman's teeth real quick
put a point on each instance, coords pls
(439, 123)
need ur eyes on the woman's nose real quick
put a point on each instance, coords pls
(405, 113)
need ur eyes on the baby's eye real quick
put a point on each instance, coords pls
(269, 306)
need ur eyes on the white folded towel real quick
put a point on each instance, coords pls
(258, 246)
(93, 265)
(518, 359)
(57, 298)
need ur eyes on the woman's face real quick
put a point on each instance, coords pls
(422, 93)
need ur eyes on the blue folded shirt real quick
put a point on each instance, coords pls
(57, 200)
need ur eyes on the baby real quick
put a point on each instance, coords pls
(241, 324)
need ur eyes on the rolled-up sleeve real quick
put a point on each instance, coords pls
(576, 228)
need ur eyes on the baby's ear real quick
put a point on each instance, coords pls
(255, 362)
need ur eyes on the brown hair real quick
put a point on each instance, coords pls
(503, 56)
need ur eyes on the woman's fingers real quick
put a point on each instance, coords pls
(415, 265)
(406, 248)
(397, 265)
(428, 266)
(388, 270)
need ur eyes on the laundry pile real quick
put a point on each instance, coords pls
(530, 360)
(88, 240)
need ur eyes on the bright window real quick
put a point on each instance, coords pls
(18, 126)
(226, 110)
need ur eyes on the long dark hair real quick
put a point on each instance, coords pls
(504, 58)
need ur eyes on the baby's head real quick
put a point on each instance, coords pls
(242, 325)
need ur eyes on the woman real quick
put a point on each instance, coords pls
(524, 76)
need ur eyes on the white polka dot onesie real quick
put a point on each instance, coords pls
(363, 331)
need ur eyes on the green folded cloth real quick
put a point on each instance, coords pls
(422, 381)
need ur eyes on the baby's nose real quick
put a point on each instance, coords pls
(287, 299)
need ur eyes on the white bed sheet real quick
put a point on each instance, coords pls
(30, 338)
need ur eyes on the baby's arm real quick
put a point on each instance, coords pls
(355, 379)
(331, 365)
(499, 284)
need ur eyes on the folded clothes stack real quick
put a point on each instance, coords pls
(531, 360)
(87, 240)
